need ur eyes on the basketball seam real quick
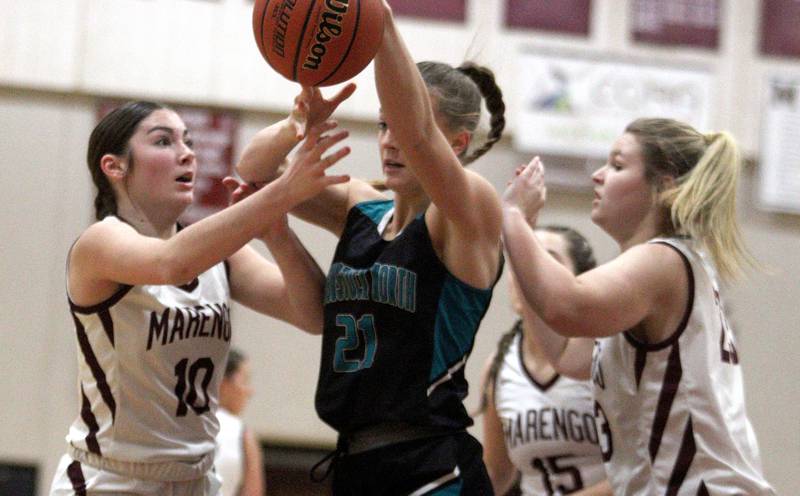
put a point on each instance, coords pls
(261, 43)
(349, 46)
(300, 40)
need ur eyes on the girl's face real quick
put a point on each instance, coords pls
(165, 164)
(235, 390)
(397, 176)
(623, 198)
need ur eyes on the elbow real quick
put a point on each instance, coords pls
(175, 270)
(564, 322)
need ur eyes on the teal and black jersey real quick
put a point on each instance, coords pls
(398, 329)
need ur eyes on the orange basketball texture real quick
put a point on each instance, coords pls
(318, 42)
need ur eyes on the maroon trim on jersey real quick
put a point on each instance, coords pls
(543, 387)
(639, 363)
(103, 305)
(669, 388)
(190, 286)
(108, 324)
(97, 371)
(91, 422)
(75, 474)
(702, 490)
(636, 343)
(684, 461)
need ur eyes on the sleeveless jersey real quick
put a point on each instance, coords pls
(550, 434)
(229, 458)
(150, 360)
(398, 329)
(671, 415)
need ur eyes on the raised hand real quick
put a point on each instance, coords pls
(311, 108)
(305, 176)
(527, 191)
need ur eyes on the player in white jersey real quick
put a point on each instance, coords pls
(238, 461)
(538, 425)
(654, 311)
(150, 302)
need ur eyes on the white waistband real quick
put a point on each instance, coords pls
(155, 471)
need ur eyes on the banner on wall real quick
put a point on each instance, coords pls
(779, 168)
(780, 27)
(441, 10)
(562, 16)
(676, 22)
(214, 135)
(578, 106)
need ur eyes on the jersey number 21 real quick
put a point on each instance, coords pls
(356, 332)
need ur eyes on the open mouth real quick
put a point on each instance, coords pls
(390, 163)
(186, 178)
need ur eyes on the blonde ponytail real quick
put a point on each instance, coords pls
(702, 201)
(703, 204)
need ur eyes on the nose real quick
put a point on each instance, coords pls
(187, 155)
(386, 139)
(599, 175)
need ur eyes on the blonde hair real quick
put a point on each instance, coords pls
(702, 200)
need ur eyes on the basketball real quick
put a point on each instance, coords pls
(318, 42)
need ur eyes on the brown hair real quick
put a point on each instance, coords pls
(112, 135)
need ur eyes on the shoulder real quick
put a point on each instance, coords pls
(359, 191)
(100, 235)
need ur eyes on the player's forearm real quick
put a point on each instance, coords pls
(205, 243)
(303, 279)
(546, 285)
(264, 154)
(403, 95)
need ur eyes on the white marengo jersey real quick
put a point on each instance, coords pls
(549, 429)
(671, 415)
(150, 360)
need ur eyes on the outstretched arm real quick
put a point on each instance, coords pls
(466, 200)
(612, 298)
(116, 253)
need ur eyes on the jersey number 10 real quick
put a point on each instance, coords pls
(190, 398)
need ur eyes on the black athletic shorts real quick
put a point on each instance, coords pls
(444, 465)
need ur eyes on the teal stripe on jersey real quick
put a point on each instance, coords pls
(450, 490)
(375, 209)
(461, 308)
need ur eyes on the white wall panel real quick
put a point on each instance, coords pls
(39, 40)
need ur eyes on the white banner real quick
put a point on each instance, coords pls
(779, 170)
(578, 106)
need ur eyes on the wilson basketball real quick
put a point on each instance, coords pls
(318, 42)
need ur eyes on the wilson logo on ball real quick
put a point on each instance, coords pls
(318, 42)
(330, 27)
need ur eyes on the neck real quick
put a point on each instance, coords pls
(535, 360)
(158, 223)
(406, 209)
(651, 226)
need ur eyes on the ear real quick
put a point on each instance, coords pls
(113, 167)
(666, 183)
(460, 142)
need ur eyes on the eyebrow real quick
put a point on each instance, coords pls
(165, 129)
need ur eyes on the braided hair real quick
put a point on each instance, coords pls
(458, 92)
(582, 256)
